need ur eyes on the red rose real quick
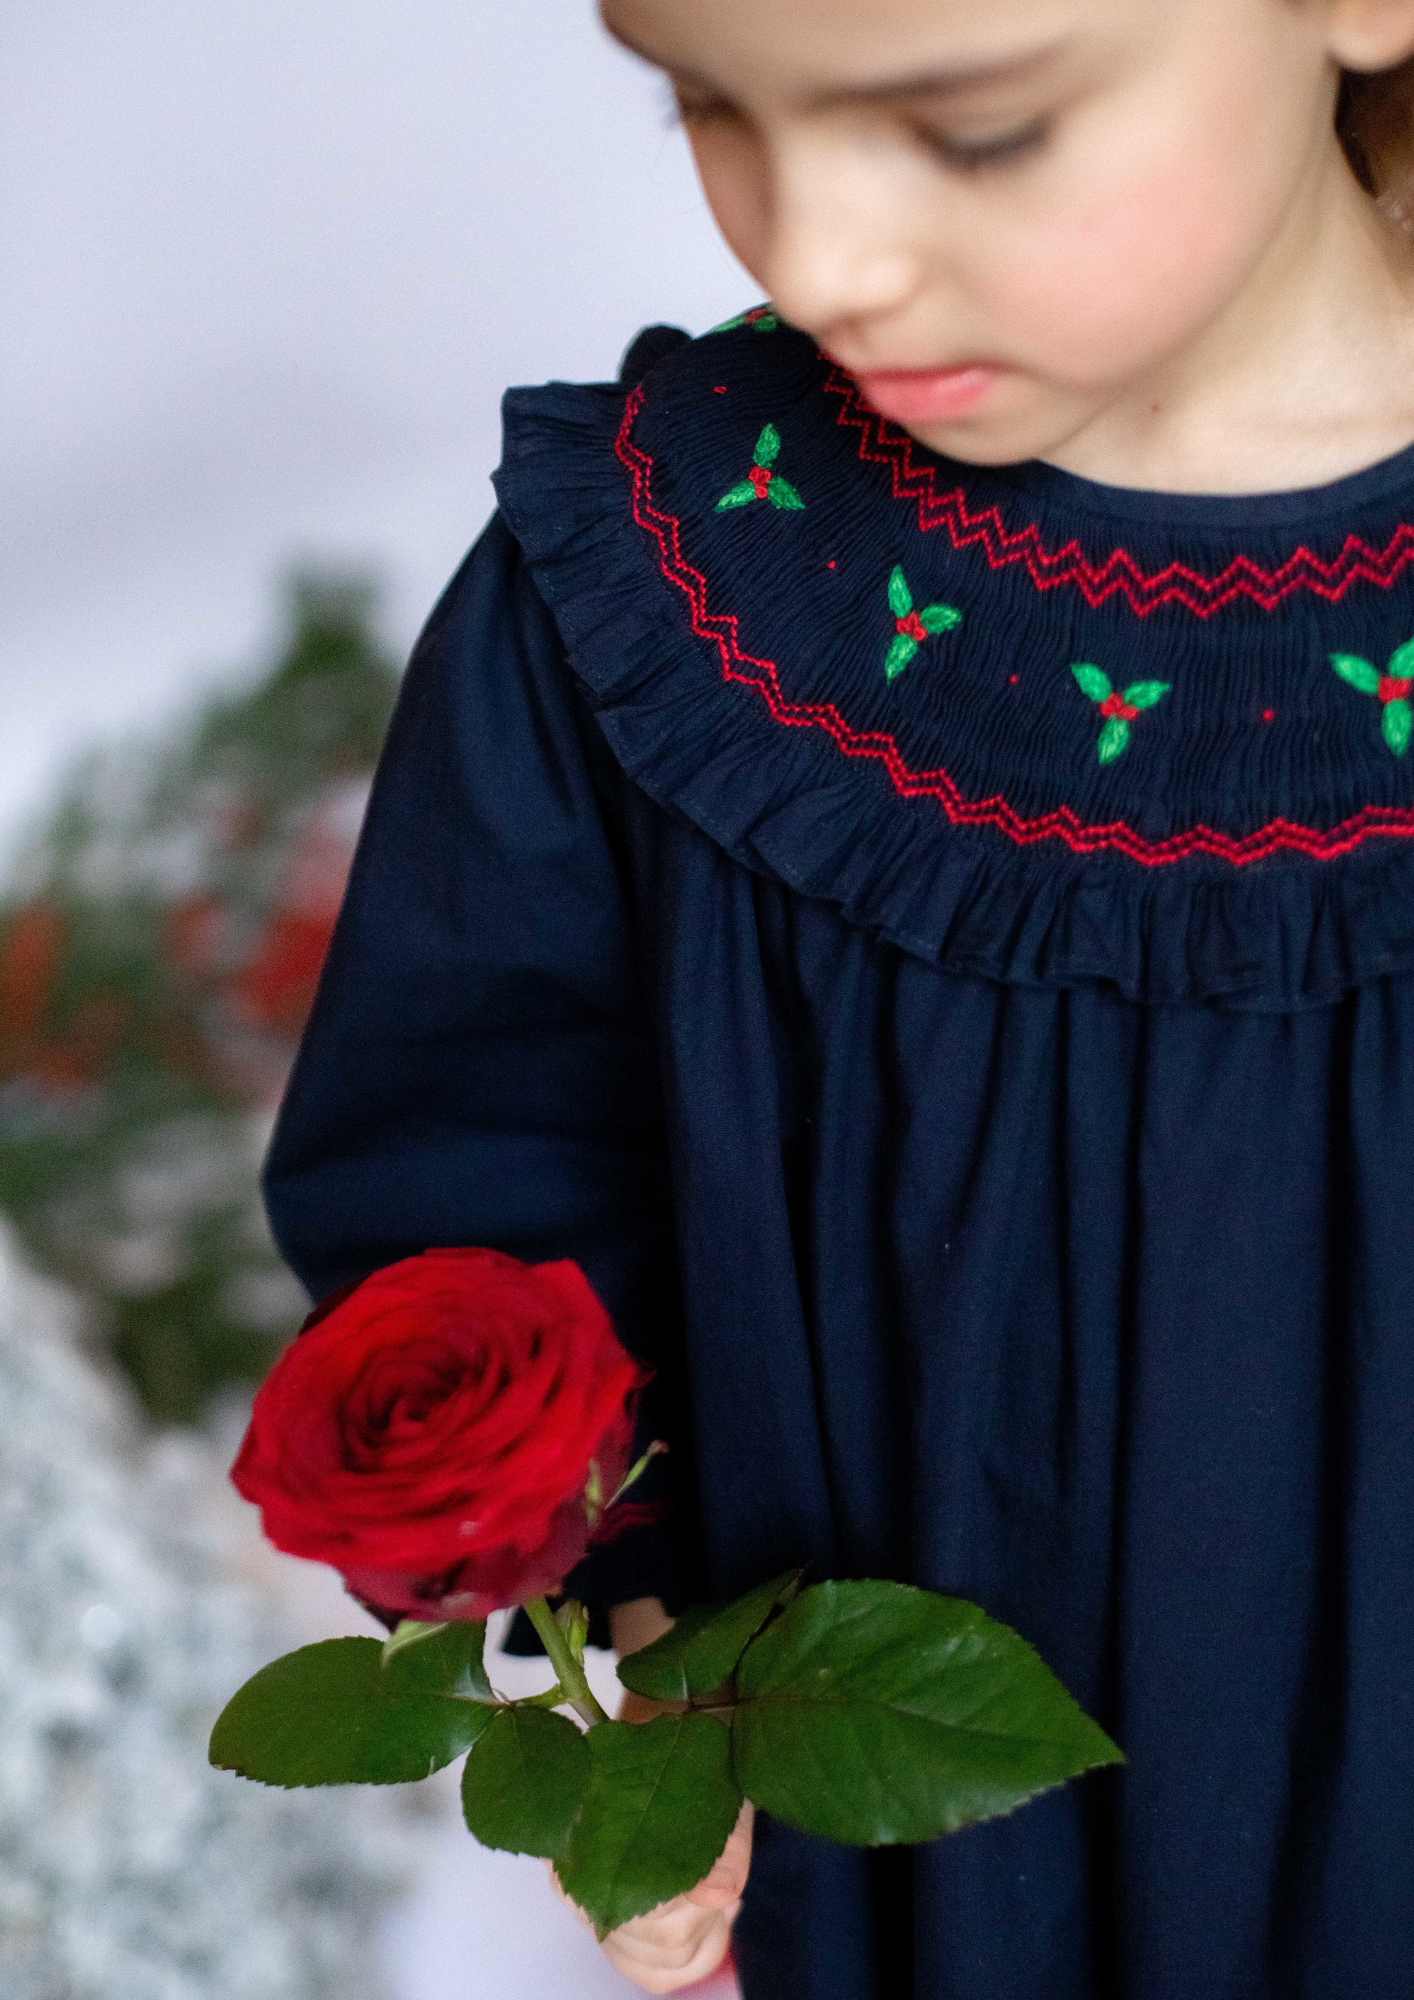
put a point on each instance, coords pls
(445, 1433)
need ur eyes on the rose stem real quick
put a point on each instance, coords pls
(577, 1690)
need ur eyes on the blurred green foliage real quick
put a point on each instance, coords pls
(160, 942)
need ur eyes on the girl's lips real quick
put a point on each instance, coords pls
(927, 395)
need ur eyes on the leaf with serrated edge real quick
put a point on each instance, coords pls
(1397, 726)
(873, 1713)
(525, 1781)
(900, 596)
(1146, 694)
(768, 445)
(1358, 672)
(439, 1659)
(660, 1805)
(939, 617)
(900, 653)
(1114, 739)
(1093, 681)
(330, 1715)
(705, 1644)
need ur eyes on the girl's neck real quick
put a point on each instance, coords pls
(1308, 376)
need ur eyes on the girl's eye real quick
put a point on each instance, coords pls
(973, 155)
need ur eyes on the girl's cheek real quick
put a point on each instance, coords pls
(732, 169)
(1091, 300)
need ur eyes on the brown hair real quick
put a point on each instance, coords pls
(1375, 120)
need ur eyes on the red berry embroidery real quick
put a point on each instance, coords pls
(763, 482)
(1391, 689)
(1118, 710)
(912, 628)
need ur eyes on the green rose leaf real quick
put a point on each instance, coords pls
(899, 654)
(660, 1805)
(939, 617)
(900, 596)
(1114, 739)
(740, 496)
(1359, 673)
(438, 1659)
(768, 445)
(872, 1712)
(525, 1781)
(781, 493)
(1398, 724)
(705, 1644)
(1094, 682)
(1146, 694)
(331, 1715)
(1401, 662)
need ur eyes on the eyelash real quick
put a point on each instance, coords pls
(677, 113)
(963, 156)
(975, 156)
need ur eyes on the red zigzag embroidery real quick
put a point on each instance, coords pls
(883, 443)
(1080, 836)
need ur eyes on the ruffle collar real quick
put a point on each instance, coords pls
(953, 704)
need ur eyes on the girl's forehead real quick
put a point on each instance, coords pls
(832, 45)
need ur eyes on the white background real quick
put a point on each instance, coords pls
(265, 269)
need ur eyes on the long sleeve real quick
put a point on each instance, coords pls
(478, 1068)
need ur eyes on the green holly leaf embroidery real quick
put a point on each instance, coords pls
(1391, 689)
(763, 482)
(1093, 682)
(912, 627)
(1146, 694)
(1359, 673)
(900, 653)
(1120, 711)
(760, 319)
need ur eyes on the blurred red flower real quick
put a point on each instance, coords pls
(446, 1433)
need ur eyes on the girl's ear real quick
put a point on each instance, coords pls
(1370, 35)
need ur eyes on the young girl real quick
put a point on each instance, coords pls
(897, 854)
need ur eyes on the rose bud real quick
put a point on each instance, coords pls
(443, 1433)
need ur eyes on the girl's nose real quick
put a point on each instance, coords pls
(833, 252)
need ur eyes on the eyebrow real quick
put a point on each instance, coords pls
(951, 81)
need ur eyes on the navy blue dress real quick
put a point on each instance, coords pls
(937, 946)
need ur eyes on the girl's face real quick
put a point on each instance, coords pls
(1008, 217)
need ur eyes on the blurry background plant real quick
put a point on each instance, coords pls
(160, 943)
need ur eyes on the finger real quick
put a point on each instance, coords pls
(664, 1970)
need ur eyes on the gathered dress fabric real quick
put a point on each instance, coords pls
(937, 947)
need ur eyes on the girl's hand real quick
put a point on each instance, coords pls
(686, 1939)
